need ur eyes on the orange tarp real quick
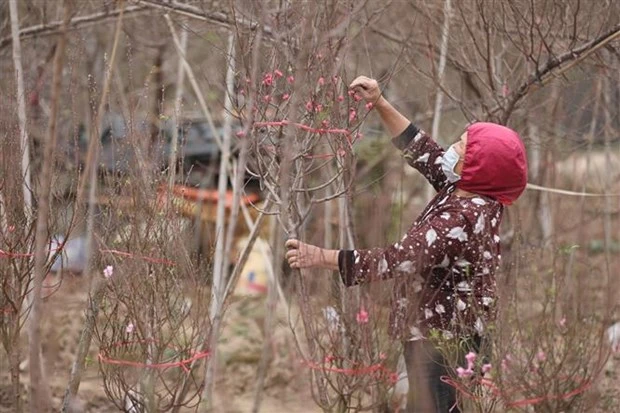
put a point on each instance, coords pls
(210, 195)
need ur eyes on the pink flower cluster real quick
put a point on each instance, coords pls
(471, 362)
(506, 362)
(268, 79)
(313, 107)
(362, 316)
(108, 271)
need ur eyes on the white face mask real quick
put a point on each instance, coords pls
(448, 163)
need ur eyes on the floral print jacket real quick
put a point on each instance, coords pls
(444, 266)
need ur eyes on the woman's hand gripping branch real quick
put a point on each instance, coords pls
(391, 118)
(302, 255)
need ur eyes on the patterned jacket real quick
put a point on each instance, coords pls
(444, 266)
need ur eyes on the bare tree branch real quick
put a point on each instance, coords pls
(555, 66)
(52, 28)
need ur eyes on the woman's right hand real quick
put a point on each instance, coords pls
(302, 255)
(367, 88)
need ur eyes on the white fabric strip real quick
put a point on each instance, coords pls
(565, 192)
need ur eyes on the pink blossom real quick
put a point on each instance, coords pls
(325, 123)
(340, 98)
(277, 73)
(309, 106)
(352, 115)
(505, 364)
(290, 79)
(11, 228)
(285, 96)
(267, 98)
(351, 92)
(505, 90)
(382, 356)
(471, 359)
(359, 135)
(562, 322)
(130, 328)
(357, 97)
(108, 271)
(240, 134)
(267, 79)
(335, 79)
(393, 378)
(329, 359)
(486, 368)
(321, 81)
(318, 108)
(242, 92)
(369, 106)
(541, 356)
(362, 316)
(464, 373)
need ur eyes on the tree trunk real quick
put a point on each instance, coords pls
(220, 261)
(14, 352)
(445, 35)
(178, 100)
(268, 326)
(21, 110)
(14, 349)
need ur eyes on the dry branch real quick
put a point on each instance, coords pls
(555, 66)
(201, 14)
(49, 29)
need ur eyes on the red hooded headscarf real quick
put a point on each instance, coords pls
(495, 163)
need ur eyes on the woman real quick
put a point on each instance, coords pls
(444, 266)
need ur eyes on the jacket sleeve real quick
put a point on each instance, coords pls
(436, 243)
(422, 153)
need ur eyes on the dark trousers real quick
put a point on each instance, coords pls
(425, 367)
